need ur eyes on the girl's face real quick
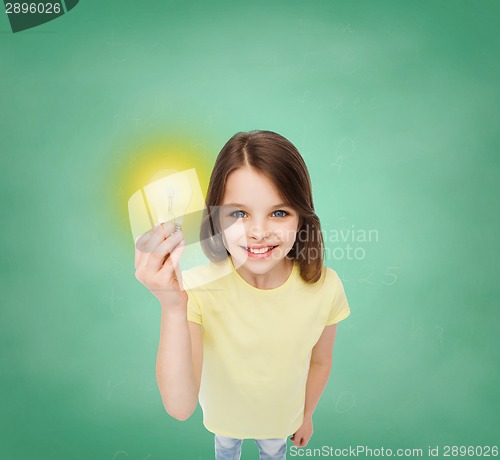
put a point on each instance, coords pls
(258, 229)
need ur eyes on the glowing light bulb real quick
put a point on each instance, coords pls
(167, 199)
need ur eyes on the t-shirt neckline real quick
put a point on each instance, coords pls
(281, 288)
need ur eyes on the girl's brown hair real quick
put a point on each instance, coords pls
(279, 160)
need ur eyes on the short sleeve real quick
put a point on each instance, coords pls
(193, 309)
(339, 307)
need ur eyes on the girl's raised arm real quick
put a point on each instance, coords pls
(180, 354)
(179, 363)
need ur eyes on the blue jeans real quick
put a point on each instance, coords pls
(230, 448)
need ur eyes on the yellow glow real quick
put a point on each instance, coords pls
(144, 162)
(151, 204)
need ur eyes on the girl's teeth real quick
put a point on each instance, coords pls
(260, 251)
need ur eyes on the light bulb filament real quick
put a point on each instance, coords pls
(171, 214)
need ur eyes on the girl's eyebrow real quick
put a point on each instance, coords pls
(239, 205)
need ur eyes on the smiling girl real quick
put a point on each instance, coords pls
(251, 334)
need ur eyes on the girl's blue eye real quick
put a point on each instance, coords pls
(242, 214)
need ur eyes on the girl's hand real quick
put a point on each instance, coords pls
(157, 255)
(302, 436)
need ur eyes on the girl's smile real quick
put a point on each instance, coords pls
(259, 251)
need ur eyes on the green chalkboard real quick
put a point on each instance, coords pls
(395, 109)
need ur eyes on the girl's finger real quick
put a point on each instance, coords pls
(155, 236)
(140, 259)
(161, 233)
(171, 266)
(149, 241)
(176, 253)
(157, 257)
(142, 239)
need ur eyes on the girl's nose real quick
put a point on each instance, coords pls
(257, 232)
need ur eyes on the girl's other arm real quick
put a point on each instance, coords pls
(319, 372)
